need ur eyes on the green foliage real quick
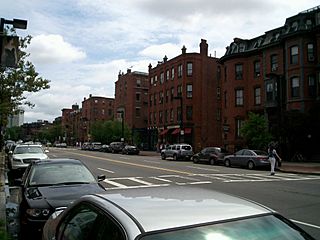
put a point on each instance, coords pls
(13, 133)
(255, 131)
(109, 131)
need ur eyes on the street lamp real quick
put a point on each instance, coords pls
(122, 124)
(181, 118)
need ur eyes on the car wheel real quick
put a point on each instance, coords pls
(195, 159)
(251, 165)
(163, 156)
(212, 161)
(227, 163)
(175, 157)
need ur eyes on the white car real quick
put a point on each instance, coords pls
(22, 155)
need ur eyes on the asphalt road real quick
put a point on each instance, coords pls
(296, 196)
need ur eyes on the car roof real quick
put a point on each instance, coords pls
(170, 207)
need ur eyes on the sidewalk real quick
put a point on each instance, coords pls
(301, 167)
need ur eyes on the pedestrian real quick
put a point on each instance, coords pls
(272, 155)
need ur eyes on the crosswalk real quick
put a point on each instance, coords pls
(196, 179)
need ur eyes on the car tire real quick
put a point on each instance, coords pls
(212, 161)
(227, 163)
(250, 165)
(163, 156)
(175, 157)
(195, 160)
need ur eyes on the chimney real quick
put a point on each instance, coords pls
(150, 67)
(165, 58)
(184, 49)
(90, 95)
(203, 47)
(128, 70)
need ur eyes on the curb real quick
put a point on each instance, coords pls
(299, 172)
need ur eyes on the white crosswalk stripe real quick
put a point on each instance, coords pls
(194, 179)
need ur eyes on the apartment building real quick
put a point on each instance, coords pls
(273, 74)
(184, 100)
(131, 103)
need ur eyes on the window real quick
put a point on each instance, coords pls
(312, 86)
(294, 51)
(295, 87)
(155, 118)
(151, 80)
(138, 112)
(138, 97)
(179, 115)
(172, 94)
(257, 68)
(310, 52)
(225, 99)
(138, 82)
(180, 71)
(167, 95)
(179, 90)
(239, 71)
(189, 90)
(161, 78)
(274, 62)
(160, 117)
(257, 96)
(171, 115)
(167, 75)
(189, 69)
(166, 116)
(155, 99)
(218, 93)
(239, 124)
(161, 97)
(172, 73)
(189, 113)
(151, 97)
(239, 97)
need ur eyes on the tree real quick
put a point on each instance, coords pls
(15, 82)
(255, 131)
(109, 131)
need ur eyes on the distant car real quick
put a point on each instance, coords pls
(116, 147)
(177, 151)
(211, 155)
(23, 154)
(130, 149)
(50, 184)
(95, 146)
(170, 213)
(247, 158)
(105, 148)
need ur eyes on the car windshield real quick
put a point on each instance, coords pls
(259, 152)
(55, 174)
(28, 149)
(266, 228)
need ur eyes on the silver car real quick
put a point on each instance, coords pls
(177, 151)
(23, 154)
(169, 213)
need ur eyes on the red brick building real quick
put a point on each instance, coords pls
(184, 100)
(131, 103)
(272, 74)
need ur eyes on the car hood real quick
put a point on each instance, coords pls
(58, 196)
(30, 155)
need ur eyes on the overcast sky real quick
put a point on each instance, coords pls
(81, 45)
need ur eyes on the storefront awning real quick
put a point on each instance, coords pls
(164, 132)
(176, 131)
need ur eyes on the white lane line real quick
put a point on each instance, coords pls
(161, 179)
(148, 161)
(306, 224)
(118, 185)
(139, 181)
(206, 169)
(135, 187)
(105, 170)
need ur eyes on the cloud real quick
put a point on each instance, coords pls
(48, 49)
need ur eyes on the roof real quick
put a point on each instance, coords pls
(169, 207)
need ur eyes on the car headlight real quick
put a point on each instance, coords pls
(36, 212)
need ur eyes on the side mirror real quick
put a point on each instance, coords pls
(101, 178)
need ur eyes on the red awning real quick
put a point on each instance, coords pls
(176, 131)
(164, 132)
(187, 131)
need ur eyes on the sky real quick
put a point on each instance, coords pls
(81, 45)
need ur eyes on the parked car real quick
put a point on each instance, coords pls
(50, 184)
(22, 155)
(95, 146)
(177, 151)
(105, 148)
(172, 213)
(130, 149)
(116, 147)
(211, 155)
(247, 158)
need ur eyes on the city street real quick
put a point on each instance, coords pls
(296, 196)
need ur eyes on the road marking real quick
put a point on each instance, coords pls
(206, 169)
(105, 170)
(134, 164)
(306, 224)
(148, 161)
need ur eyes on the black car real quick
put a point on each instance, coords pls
(211, 155)
(50, 184)
(130, 149)
(105, 148)
(116, 147)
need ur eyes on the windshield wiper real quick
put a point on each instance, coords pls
(70, 183)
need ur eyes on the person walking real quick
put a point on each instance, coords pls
(272, 155)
